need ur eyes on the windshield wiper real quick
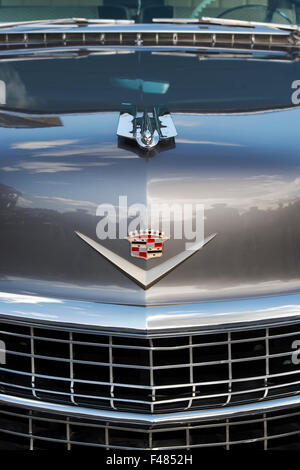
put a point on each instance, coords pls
(227, 22)
(67, 21)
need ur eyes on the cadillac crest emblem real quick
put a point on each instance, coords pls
(146, 244)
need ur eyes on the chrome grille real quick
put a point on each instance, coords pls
(200, 38)
(21, 429)
(152, 375)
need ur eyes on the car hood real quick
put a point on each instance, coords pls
(236, 153)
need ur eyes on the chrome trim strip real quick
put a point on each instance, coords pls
(140, 28)
(152, 419)
(158, 321)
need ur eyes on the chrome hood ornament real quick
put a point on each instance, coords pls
(147, 128)
(143, 278)
(146, 244)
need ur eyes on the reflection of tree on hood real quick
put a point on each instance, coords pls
(8, 197)
(28, 122)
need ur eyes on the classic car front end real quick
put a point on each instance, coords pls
(101, 344)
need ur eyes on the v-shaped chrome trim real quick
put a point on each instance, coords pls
(143, 278)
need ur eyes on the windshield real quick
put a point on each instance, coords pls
(184, 83)
(143, 11)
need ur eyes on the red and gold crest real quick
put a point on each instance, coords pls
(146, 244)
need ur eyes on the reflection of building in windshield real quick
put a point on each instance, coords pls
(28, 122)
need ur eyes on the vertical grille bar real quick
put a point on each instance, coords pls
(111, 374)
(153, 395)
(188, 440)
(191, 359)
(265, 432)
(32, 362)
(227, 434)
(107, 436)
(267, 346)
(229, 349)
(31, 442)
(71, 368)
(150, 439)
(68, 434)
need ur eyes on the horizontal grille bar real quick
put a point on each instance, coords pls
(136, 366)
(145, 387)
(128, 400)
(153, 348)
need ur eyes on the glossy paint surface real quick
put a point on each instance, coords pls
(244, 166)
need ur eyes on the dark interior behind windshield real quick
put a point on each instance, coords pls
(143, 11)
